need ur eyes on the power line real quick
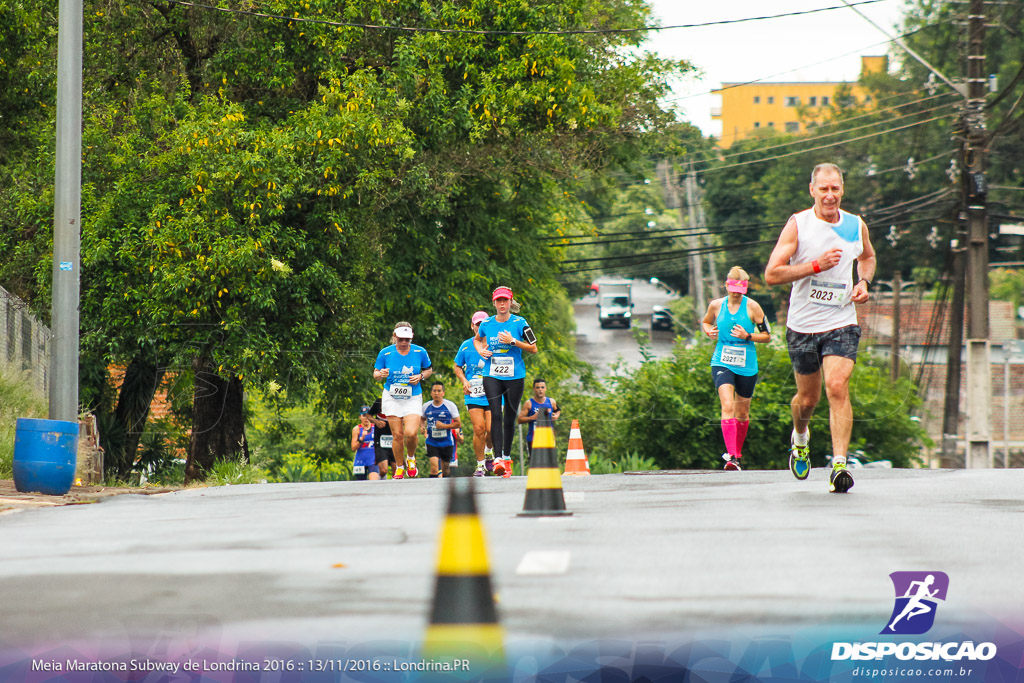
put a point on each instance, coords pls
(805, 66)
(712, 169)
(678, 253)
(944, 155)
(816, 137)
(662, 259)
(883, 215)
(721, 228)
(426, 29)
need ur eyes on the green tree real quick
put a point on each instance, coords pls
(262, 198)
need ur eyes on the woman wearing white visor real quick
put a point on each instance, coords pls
(403, 366)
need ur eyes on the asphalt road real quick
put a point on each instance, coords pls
(644, 557)
(602, 348)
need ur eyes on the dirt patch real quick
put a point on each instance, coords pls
(11, 499)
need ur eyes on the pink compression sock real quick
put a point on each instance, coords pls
(729, 435)
(741, 435)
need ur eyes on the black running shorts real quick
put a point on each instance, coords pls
(442, 453)
(807, 350)
(744, 384)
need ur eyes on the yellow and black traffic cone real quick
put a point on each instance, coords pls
(544, 481)
(463, 619)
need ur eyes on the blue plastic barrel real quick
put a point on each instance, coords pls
(45, 453)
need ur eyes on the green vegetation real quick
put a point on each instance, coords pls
(18, 398)
(262, 199)
(667, 413)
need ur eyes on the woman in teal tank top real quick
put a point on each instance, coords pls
(736, 322)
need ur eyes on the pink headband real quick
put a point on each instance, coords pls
(738, 286)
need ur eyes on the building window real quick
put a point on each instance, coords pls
(792, 127)
(771, 100)
(771, 124)
(757, 99)
(757, 124)
(812, 101)
(867, 99)
(824, 101)
(792, 101)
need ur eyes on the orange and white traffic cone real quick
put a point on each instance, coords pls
(575, 458)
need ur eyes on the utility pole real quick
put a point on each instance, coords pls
(951, 409)
(716, 285)
(694, 242)
(670, 191)
(979, 368)
(894, 349)
(67, 211)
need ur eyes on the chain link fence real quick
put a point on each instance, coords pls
(24, 342)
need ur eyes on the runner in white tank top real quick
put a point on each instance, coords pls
(816, 252)
(823, 301)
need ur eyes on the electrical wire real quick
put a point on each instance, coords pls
(490, 32)
(665, 256)
(713, 169)
(805, 66)
(712, 230)
(944, 155)
(817, 137)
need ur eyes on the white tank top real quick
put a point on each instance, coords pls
(821, 302)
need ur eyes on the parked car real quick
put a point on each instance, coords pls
(661, 319)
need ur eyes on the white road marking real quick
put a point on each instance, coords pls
(544, 562)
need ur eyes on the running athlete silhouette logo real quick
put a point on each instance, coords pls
(917, 596)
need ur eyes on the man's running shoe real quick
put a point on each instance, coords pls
(410, 467)
(499, 467)
(399, 473)
(508, 469)
(841, 480)
(800, 461)
(732, 463)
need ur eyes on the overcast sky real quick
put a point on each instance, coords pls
(810, 47)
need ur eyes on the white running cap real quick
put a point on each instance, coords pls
(403, 332)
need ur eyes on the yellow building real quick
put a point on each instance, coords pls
(751, 107)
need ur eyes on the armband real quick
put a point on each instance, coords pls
(529, 336)
(763, 326)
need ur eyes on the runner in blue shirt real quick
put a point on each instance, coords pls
(441, 417)
(531, 409)
(364, 465)
(470, 368)
(731, 320)
(501, 339)
(402, 367)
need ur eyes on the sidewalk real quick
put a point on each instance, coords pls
(12, 500)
